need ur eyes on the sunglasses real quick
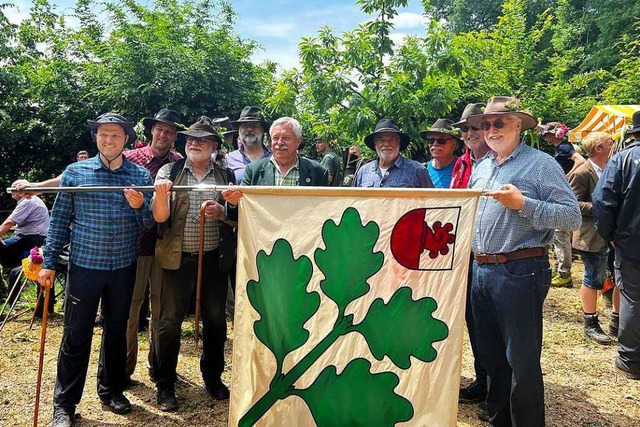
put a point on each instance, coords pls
(465, 128)
(198, 141)
(440, 141)
(498, 124)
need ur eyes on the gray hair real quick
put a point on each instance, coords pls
(295, 125)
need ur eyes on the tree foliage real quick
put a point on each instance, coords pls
(117, 56)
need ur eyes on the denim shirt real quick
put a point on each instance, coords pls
(404, 173)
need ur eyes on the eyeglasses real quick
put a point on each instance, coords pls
(498, 124)
(198, 141)
(440, 141)
(465, 128)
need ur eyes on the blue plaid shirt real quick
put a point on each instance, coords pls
(104, 228)
(549, 202)
(404, 173)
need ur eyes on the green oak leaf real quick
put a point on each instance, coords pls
(356, 397)
(403, 328)
(350, 240)
(281, 298)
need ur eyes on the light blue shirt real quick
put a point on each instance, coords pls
(404, 173)
(549, 202)
(441, 178)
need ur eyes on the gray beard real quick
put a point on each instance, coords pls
(250, 140)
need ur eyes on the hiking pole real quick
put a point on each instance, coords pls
(43, 336)
(35, 310)
(199, 277)
(4, 322)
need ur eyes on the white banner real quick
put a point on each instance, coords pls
(350, 306)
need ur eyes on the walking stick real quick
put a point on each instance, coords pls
(35, 310)
(13, 288)
(13, 305)
(199, 277)
(43, 336)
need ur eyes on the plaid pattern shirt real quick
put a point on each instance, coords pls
(290, 179)
(145, 158)
(191, 233)
(105, 227)
(549, 202)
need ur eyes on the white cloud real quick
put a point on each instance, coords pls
(398, 38)
(16, 13)
(409, 20)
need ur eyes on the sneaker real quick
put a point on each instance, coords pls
(593, 330)
(61, 418)
(167, 400)
(475, 392)
(562, 280)
(219, 391)
(631, 371)
(118, 404)
(483, 412)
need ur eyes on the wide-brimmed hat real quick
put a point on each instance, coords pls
(470, 110)
(203, 128)
(165, 116)
(115, 119)
(442, 128)
(387, 125)
(251, 115)
(499, 105)
(636, 123)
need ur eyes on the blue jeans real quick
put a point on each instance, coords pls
(507, 307)
(85, 288)
(595, 268)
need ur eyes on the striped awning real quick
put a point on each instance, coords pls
(608, 118)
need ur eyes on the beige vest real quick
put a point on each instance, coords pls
(169, 246)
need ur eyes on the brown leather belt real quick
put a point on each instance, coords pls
(509, 256)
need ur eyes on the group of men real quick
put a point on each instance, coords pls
(117, 251)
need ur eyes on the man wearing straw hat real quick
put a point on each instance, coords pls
(178, 216)
(102, 265)
(527, 198)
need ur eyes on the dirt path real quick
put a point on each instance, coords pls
(582, 387)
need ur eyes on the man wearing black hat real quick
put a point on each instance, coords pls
(102, 265)
(616, 203)
(163, 128)
(442, 140)
(251, 129)
(178, 216)
(391, 169)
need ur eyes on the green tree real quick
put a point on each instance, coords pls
(121, 56)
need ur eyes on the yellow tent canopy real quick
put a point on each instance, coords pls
(606, 118)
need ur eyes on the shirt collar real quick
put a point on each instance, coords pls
(296, 166)
(189, 166)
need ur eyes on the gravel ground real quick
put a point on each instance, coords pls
(582, 386)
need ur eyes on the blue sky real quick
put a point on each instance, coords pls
(278, 25)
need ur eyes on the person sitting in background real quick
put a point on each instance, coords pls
(82, 155)
(592, 247)
(31, 221)
(442, 140)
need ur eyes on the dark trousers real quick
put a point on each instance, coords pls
(13, 251)
(507, 308)
(628, 281)
(481, 373)
(85, 288)
(178, 287)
